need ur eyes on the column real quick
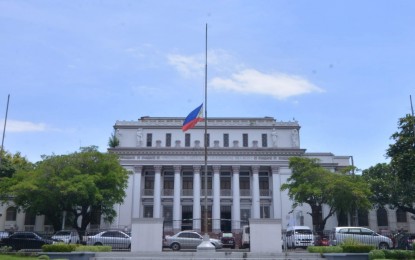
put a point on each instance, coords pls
(216, 199)
(236, 200)
(255, 192)
(177, 208)
(197, 209)
(136, 201)
(276, 194)
(157, 192)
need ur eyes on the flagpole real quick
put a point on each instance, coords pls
(206, 246)
(206, 169)
(4, 129)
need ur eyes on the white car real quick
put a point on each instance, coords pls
(188, 240)
(67, 236)
(114, 238)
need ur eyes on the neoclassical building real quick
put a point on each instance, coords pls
(247, 161)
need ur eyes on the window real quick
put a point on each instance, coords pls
(149, 140)
(382, 217)
(11, 214)
(148, 211)
(264, 140)
(30, 219)
(401, 216)
(245, 140)
(208, 140)
(225, 140)
(187, 140)
(362, 218)
(168, 140)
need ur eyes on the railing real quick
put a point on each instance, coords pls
(148, 192)
(245, 193)
(167, 192)
(265, 193)
(226, 192)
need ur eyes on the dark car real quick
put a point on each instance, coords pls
(26, 240)
(228, 240)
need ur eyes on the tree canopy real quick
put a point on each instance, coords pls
(393, 184)
(312, 184)
(79, 184)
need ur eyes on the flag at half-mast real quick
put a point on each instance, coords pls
(193, 118)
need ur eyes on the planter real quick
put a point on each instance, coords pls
(346, 256)
(69, 255)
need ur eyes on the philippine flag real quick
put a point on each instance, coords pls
(193, 118)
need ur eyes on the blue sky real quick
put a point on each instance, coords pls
(343, 69)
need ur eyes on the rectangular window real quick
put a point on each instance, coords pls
(168, 140)
(187, 140)
(148, 212)
(264, 140)
(245, 140)
(149, 140)
(225, 140)
(208, 140)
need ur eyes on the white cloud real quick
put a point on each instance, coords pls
(278, 85)
(23, 126)
(187, 66)
(236, 77)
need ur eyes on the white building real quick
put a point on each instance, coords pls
(247, 161)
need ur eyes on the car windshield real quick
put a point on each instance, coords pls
(303, 231)
(63, 233)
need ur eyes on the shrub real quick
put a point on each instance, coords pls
(60, 247)
(93, 249)
(350, 242)
(357, 248)
(5, 249)
(398, 254)
(43, 257)
(376, 254)
(324, 249)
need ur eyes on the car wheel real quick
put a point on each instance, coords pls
(98, 244)
(383, 246)
(175, 246)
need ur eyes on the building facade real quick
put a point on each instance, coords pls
(247, 161)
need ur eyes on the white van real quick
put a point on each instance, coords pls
(245, 237)
(299, 236)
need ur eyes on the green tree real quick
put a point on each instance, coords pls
(312, 184)
(80, 184)
(393, 184)
(10, 163)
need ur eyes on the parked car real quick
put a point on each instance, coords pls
(188, 240)
(299, 236)
(114, 238)
(404, 241)
(67, 236)
(228, 240)
(245, 237)
(321, 241)
(361, 234)
(26, 240)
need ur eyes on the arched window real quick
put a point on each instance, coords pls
(382, 217)
(11, 214)
(29, 219)
(401, 216)
(363, 217)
